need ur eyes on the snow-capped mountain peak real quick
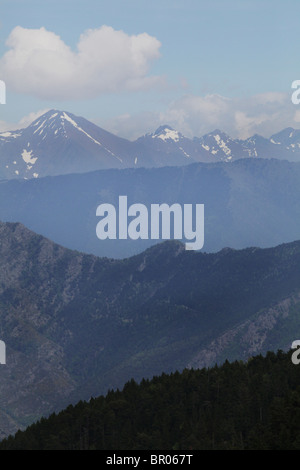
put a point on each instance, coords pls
(59, 142)
(289, 138)
(54, 123)
(49, 123)
(166, 133)
(218, 144)
(62, 124)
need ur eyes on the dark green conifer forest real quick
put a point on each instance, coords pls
(236, 406)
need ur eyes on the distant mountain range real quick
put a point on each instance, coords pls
(250, 202)
(76, 325)
(59, 142)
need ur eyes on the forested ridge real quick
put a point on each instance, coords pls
(235, 406)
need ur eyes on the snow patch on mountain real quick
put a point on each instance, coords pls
(27, 157)
(13, 135)
(167, 134)
(71, 121)
(222, 145)
(40, 127)
(184, 152)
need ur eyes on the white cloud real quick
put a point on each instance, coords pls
(263, 114)
(39, 63)
(29, 118)
(24, 121)
(196, 114)
(131, 126)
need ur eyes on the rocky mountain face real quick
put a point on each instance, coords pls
(76, 325)
(59, 142)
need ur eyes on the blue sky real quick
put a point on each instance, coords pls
(196, 65)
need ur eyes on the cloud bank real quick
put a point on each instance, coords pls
(193, 115)
(39, 63)
(25, 121)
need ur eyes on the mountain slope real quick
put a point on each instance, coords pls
(76, 325)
